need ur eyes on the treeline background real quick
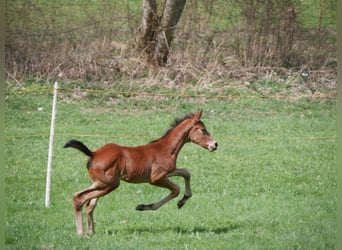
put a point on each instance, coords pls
(96, 41)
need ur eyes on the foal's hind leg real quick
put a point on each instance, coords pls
(186, 175)
(98, 189)
(78, 203)
(90, 206)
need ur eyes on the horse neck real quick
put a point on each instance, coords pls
(176, 139)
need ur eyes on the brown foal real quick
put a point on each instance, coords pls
(153, 163)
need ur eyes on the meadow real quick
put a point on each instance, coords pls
(270, 185)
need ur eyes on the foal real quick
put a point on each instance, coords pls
(153, 163)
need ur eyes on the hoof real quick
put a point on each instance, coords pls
(143, 207)
(81, 234)
(181, 203)
(140, 207)
(90, 233)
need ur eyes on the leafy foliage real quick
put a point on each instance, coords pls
(96, 41)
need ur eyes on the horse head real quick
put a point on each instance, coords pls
(199, 134)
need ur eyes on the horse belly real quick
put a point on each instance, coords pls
(137, 174)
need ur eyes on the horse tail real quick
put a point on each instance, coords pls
(78, 145)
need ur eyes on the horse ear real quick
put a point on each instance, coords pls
(198, 115)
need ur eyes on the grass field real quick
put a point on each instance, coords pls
(270, 185)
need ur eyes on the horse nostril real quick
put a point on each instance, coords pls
(212, 146)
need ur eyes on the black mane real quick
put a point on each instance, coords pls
(176, 122)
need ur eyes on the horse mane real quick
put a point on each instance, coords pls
(175, 123)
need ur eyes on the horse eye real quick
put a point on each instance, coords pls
(204, 131)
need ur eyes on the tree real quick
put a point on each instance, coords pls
(271, 30)
(157, 32)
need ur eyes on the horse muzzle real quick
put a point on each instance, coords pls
(212, 146)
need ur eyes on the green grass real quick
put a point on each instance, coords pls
(273, 187)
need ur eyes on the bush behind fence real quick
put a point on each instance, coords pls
(96, 40)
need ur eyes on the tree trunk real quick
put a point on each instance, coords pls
(288, 26)
(157, 32)
(149, 25)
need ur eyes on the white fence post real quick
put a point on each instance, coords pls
(52, 129)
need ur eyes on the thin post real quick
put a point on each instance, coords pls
(52, 129)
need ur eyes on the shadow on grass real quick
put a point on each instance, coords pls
(180, 230)
(201, 229)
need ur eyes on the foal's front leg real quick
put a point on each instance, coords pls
(186, 175)
(165, 183)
